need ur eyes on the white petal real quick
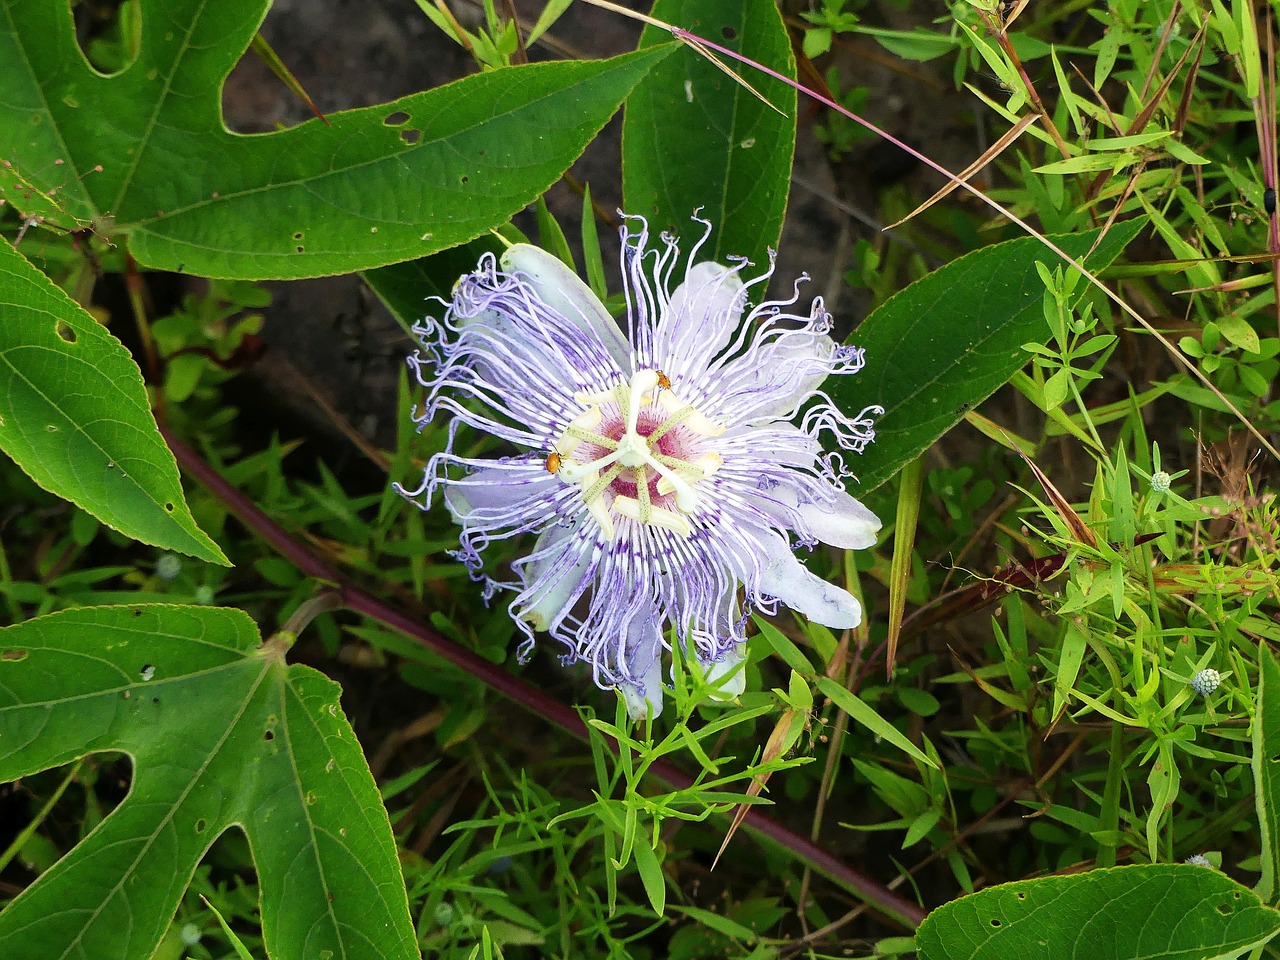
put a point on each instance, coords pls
(835, 517)
(786, 578)
(776, 377)
(843, 523)
(644, 660)
(499, 487)
(563, 291)
(564, 556)
(701, 318)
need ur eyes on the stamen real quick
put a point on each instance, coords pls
(658, 517)
(636, 453)
(695, 420)
(642, 494)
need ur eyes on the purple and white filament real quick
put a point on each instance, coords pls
(662, 472)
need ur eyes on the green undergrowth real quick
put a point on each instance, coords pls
(1062, 702)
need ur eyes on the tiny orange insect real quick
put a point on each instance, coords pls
(663, 380)
(553, 463)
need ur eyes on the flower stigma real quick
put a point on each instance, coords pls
(634, 452)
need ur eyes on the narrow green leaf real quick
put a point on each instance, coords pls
(944, 344)
(650, 870)
(1148, 912)
(374, 186)
(696, 138)
(1250, 54)
(717, 922)
(592, 258)
(74, 415)
(1266, 769)
(784, 647)
(550, 14)
(242, 952)
(221, 734)
(904, 539)
(862, 714)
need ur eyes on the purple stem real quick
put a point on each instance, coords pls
(879, 897)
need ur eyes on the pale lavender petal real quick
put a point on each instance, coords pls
(560, 289)
(555, 575)
(787, 579)
(700, 320)
(642, 692)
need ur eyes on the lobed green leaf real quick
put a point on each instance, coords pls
(221, 734)
(373, 186)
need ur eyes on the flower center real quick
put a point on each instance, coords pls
(635, 451)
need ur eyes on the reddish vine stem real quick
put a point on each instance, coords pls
(894, 907)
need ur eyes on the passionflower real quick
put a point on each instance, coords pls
(664, 472)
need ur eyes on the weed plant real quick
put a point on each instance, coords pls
(1065, 657)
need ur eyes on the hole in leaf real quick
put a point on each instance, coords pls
(995, 922)
(108, 778)
(13, 654)
(465, 179)
(169, 507)
(410, 136)
(201, 825)
(1225, 909)
(269, 736)
(298, 235)
(397, 119)
(1020, 895)
(301, 248)
(105, 33)
(65, 333)
(102, 781)
(729, 33)
(148, 671)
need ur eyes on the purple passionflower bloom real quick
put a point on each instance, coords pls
(662, 472)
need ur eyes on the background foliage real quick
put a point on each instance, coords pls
(1063, 690)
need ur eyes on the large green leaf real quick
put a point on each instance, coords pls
(221, 733)
(375, 186)
(74, 415)
(1266, 769)
(947, 342)
(1149, 912)
(693, 137)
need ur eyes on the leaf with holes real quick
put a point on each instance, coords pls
(1148, 912)
(694, 137)
(221, 733)
(74, 415)
(374, 186)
